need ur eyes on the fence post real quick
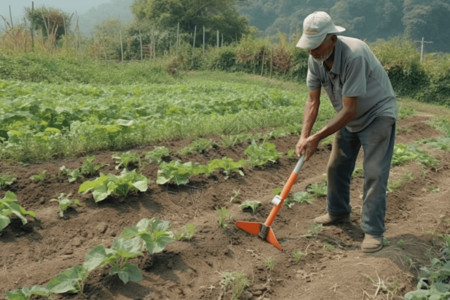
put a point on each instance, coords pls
(203, 40)
(10, 17)
(218, 39)
(32, 27)
(121, 45)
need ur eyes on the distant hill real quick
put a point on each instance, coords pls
(365, 19)
(115, 9)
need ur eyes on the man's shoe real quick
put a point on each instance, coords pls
(328, 219)
(371, 243)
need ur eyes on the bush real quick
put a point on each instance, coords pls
(401, 60)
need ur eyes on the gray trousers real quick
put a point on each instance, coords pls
(377, 141)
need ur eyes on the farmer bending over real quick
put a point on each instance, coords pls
(366, 113)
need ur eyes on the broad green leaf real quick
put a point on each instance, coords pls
(142, 185)
(16, 295)
(127, 273)
(95, 257)
(69, 281)
(127, 248)
(89, 185)
(4, 221)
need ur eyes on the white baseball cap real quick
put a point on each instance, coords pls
(316, 26)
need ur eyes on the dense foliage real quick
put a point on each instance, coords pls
(365, 19)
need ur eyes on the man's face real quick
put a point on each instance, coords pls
(324, 51)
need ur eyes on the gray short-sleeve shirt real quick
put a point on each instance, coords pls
(356, 72)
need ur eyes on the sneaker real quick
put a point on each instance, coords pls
(328, 219)
(372, 243)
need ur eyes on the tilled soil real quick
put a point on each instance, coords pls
(333, 266)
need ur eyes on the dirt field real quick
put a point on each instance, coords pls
(333, 268)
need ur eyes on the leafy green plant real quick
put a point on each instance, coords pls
(117, 186)
(404, 154)
(6, 180)
(71, 280)
(8, 207)
(89, 168)
(250, 204)
(154, 233)
(39, 177)
(27, 293)
(328, 247)
(259, 155)
(127, 160)
(157, 154)
(299, 198)
(116, 258)
(72, 175)
(198, 146)
(318, 189)
(186, 233)
(223, 215)
(434, 279)
(177, 172)
(65, 202)
(228, 166)
(237, 281)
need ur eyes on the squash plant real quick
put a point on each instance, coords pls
(8, 207)
(112, 185)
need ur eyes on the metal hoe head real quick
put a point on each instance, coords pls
(263, 230)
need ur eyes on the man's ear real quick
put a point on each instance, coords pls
(334, 39)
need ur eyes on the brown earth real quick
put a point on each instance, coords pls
(333, 268)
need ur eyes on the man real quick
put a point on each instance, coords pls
(366, 113)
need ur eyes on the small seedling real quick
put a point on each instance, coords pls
(328, 247)
(186, 233)
(318, 189)
(235, 195)
(237, 281)
(270, 263)
(297, 255)
(39, 177)
(224, 215)
(253, 205)
(5, 181)
(127, 159)
(314, 230)
(157, 155)
(88, 168)
(64, 203)
(72, 175)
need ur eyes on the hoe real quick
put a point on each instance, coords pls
(263, 230)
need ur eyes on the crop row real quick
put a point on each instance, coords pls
(40, 121)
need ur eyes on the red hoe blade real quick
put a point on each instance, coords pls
(263, 230)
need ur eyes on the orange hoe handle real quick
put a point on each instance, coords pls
(285, 192)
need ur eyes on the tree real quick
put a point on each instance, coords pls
(214, 15)
(52, 22)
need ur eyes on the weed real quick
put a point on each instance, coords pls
(237, 281)
(328, 247)
(297, 255)
(314, 230)
(235, 195)
(224, 216)
(270, 263)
